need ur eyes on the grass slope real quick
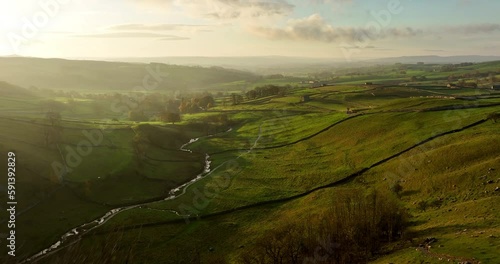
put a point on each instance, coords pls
(282, 162)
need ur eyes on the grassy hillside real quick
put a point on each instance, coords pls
(352, 174)
(110, 174)
(57, 74)
(280, 168)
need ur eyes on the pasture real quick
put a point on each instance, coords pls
(274, 160)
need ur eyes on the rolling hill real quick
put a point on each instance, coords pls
(60, 74)
(288, 169)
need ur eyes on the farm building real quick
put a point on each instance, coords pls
(495, 87)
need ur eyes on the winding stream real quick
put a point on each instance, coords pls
(75, 234)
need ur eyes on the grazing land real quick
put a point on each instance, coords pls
(386, 164)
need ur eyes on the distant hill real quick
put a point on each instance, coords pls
(231, 62)
(60, 74)
(437, 59)
(257, 64)
(292, 65)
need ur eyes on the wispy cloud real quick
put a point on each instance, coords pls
(470, 29)
(225, 9)
(174, 38)
(316, 28)
(158, 27)
(359, 47)
(319, 2)
(132, 35)
(230, 9)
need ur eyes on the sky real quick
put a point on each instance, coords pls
(342, 29)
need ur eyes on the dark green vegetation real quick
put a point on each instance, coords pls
(340, 172)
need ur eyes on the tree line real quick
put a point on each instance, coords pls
(267, 90)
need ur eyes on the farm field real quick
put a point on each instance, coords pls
(117, 177)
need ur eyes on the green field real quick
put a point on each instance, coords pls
(278, 164)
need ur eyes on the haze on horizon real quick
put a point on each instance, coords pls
(215, 28)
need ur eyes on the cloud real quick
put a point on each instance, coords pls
(231, 9)
(147, 31)
(359, 47)
(174, 38)
(225, 9)
(315, 28)
(160, 27)
(132, 35)
(472, 28)
(322, 2)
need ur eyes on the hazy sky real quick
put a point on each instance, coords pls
(306, 28)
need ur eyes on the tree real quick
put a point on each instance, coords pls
(137, 115)
(52, 131)
(236, 99)
(173, 106)
(140, 143)
(252, 94)
(282, 245)
(471, 84)
(184, 106)
(352, 230)
(170, 117)
(206, 102)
